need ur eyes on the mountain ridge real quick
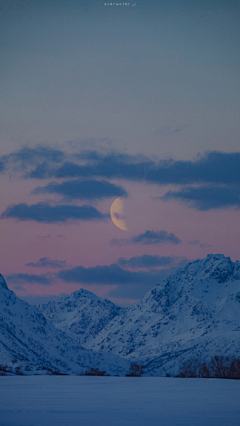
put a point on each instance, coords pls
(82, 314)
(31, 343)
(193, 312)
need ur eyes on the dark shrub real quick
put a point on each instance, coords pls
(136, 370)
(95, 372)
(219, 366)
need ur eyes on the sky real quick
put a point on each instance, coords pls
(102, 100)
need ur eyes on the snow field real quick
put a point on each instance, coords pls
(118, 401)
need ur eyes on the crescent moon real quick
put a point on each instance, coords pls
(116, 212)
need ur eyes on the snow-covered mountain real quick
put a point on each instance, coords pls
(31, 344)
(193, 313)
(82, 315)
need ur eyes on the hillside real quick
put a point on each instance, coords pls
(82, 315)
(30, 344)
(193, 313)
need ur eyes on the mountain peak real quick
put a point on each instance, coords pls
(82, 293)
(220, 268)
(33, 345)
(82, 314)
(214, 266)
(192, 313)
(216, 256)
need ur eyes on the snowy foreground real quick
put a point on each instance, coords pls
(118, 401)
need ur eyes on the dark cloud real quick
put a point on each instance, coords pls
(109, 275)
(45, 262)
(213, 167)
(89, 189)
(198, 243)
(206, 197)
(68, 169)
(219, 170)
(90, 164)
(145, 261)
(44, 212)
(29, 278)
(110, 166)
(155, 237)
(137, 290)
(130, 284)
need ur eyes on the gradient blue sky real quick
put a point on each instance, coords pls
(99, 101)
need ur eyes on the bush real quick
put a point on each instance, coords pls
(234, 370)
(95, 372)
(18, 371)
(28, 368)
(4, 369)
(190, 368)
(136, 370)
(204, 371)
(218, 367)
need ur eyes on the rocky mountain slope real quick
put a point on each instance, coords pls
(30, 344)
(193, 313)
(82, 315)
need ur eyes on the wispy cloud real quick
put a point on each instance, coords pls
(45, 262)
(44, 212)
(34, 299)
(27, 157)
(148, 238)
(169, 130)
(145, 261)
(29, 279)
(198, 243)
(155, 237)
(82, 189)
(44, 237)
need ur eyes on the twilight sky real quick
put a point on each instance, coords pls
(99, 100)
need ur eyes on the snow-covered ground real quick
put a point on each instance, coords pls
(118, 401)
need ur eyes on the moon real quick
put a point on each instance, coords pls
(116, 212)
